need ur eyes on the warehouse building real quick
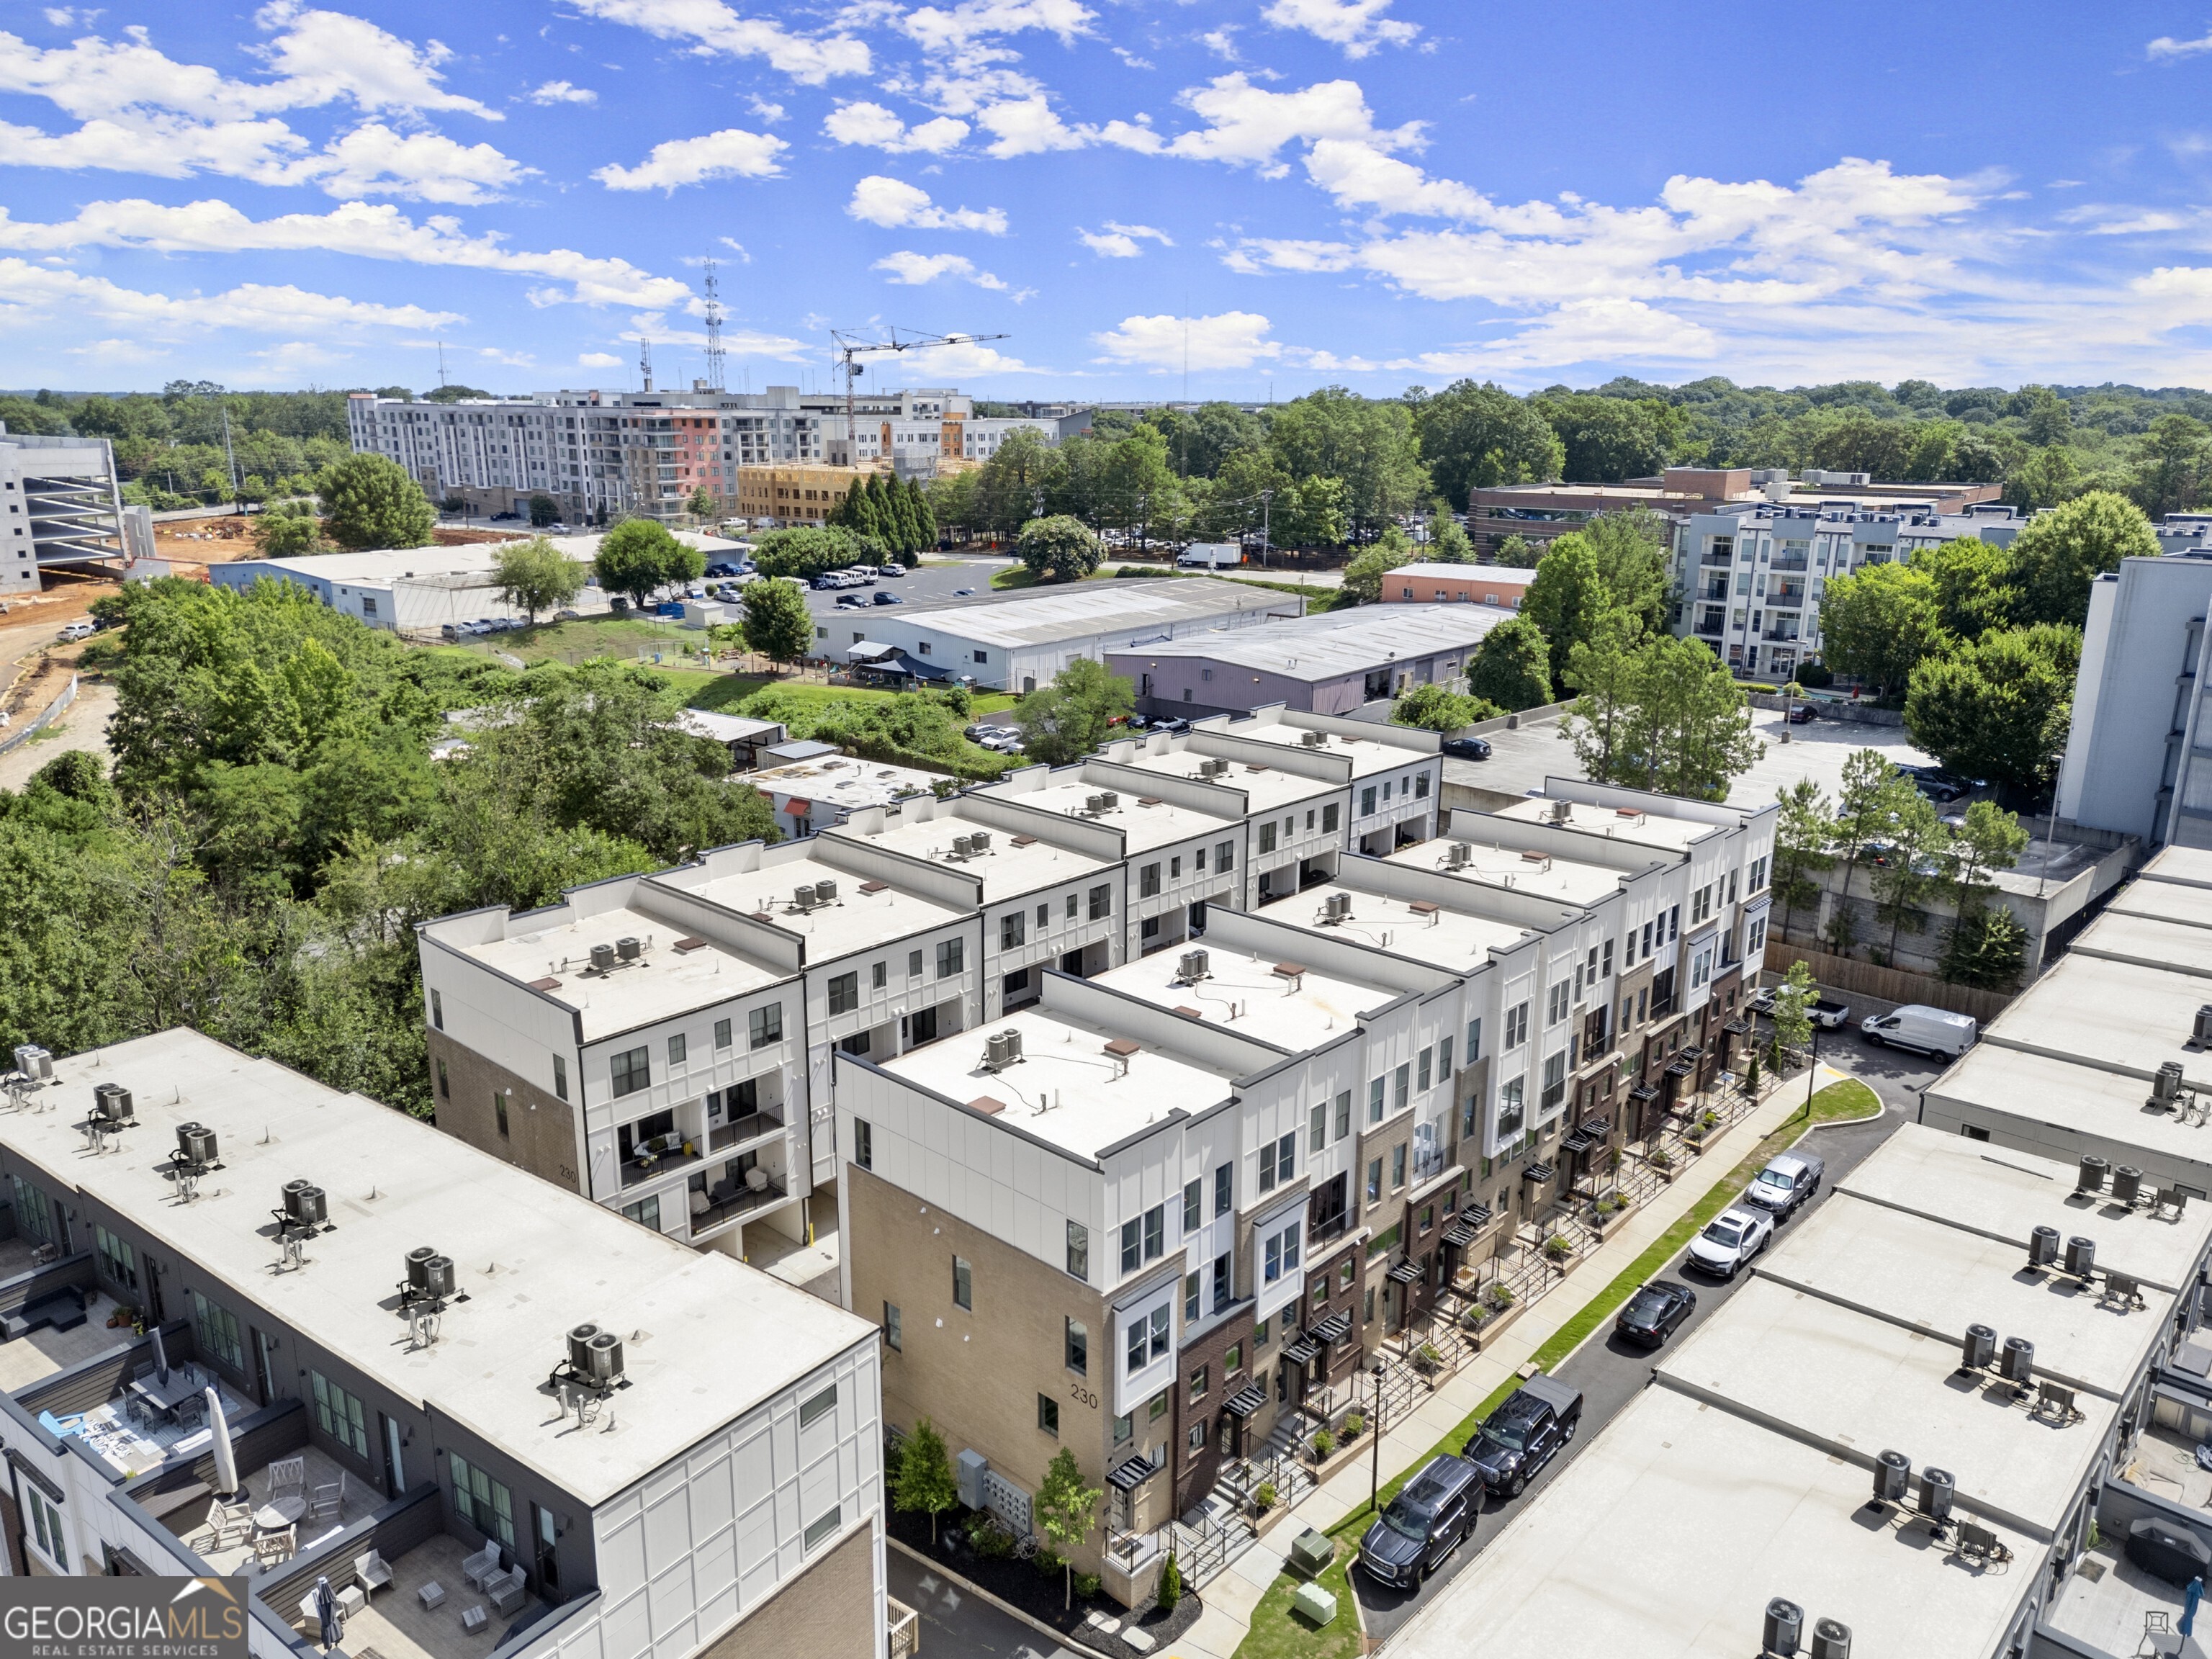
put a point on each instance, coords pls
(1330, 664)
(1019, 644)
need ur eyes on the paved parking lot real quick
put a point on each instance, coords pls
(928, 585)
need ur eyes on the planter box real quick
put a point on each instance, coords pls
(1494, 1327)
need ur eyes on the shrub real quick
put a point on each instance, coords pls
(1661, 1159)
(1355, 1424)
(1171, 1591)
(1558, 1247)
(1264, 1499)
(1431, 1355)
(1324, 1443)
(1087, 1584)
(1499, 1296)
(1816, 676)
(992, 1540)
(1047, 1564)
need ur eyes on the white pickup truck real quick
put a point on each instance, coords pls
(1826, 1014)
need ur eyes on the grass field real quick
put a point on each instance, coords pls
(1277, 1633)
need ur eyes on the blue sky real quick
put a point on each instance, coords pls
(1261, 194)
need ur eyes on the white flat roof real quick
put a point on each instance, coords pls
(852, 922)
(1368, 755)
(1005, 871)
(2115, 1014)
(1088, 608)
(1142, 826)
(1474, 574)
(706, 1338)
(2185, 865)
(1645, 829)
(1337, 642)
(1669, 1534)
(845, 781)
(386, 566)
(725, 728)
(663, 982)
(1551, 877)
(1293, 1013)
(2153, 941)
(1455, 940)
(1066, 1089)
(2071, 1097)
(2168, 901)
(1268, 788)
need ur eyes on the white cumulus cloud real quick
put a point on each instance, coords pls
(1358, 25)
(597, 360)
(2166, 46)
(33, 295)
(1233, 340)
(715, 29)
(896, 205)
(1120, 241)
(914, 270)
(560, 92)
(878, 128)
(732, 152)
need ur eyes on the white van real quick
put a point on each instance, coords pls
(1935, 1031)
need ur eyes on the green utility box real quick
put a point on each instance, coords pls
(1311, 1552)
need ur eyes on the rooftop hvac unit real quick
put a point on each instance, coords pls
(629, 949)
(1094, 805)
(2091, 1177)
(2080, 1256)
(1892, 1475)
(825, 892)
(2043, 1247)
(35, 1062)
(1337, 907)
(962, 848)
(1456, 855)
(1832, 1639)
(195, 1145)
(2165, 1087)
(1109, 801)
(1980, 1352)
(1783, 1629)
(112, 1102)
(305, 1204)
(802, 898)
(2126, 1184)
(1314, 740)
(418, 1267)
(1193, 966)
(2018, 1367)
(980, 841)
(438, 1276)
(1001, 1050)
(1937, 1489)
(2203, 1031)
(603, 957)
(580, 1348)
(603, 1359)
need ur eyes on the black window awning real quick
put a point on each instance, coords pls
(1461, 1233)
(1643, 1092)
(1679, 1068)
(1597, 1128)
(1736, 1027)
(1128, 1475)
(1694, 1053)
(1301, 1350)
(1406, 1273)
(1538, 1172)
(1576, 1144)
(1245, 1400)
(1333, 1329)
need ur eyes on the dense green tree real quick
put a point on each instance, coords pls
(1997, 708)
(1439, 708)
(1669, 717)
(1367, 444)
(1447, 543)
(1974, 590)
(1065, 720)
(2043, 479)
(1059, 548)
(2060, 551)
(1363, 577)
(370, 503)
(1987, 949)
(921, 1481)
(778, 624)
(702, 504)
(2171, 460)
(638, 557)
(1804, 834)
(1517, 552)
(1199, 440)
(1511, 666)
(284, 533)
(1870, 799)
(546, 512)
(1010, 486)
(807, 550)
(536, 576)
(1881, 621)
(923, 521)
(1476, 437)
(1606, 439)
(1579, 583)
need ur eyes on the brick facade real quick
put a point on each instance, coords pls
(828, 1611)
(541, 1130)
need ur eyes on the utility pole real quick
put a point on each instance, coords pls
(441, 363)
(645, 363)
(236, 497)
(1267, 501)
(713, 330)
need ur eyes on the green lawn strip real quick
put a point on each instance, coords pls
(1277, 1632)
(1839, 1102)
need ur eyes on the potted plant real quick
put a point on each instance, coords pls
(1355, 1424)
(1324, 1443)
(1558, 1247)
(1264, 1499)
(1428, 1360)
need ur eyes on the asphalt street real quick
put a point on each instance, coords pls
(953, 1621)
(1610, 1373)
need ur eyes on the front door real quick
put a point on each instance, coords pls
(395, 1458)
(544, 1538)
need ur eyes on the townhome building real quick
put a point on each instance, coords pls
(498, 1420)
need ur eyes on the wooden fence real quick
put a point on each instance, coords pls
(1889, 984)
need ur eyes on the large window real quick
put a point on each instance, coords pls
(1011, 926)
(1148, 881)
(630, 1071)
(46, 1527)
(1079, 1250)
(765, 1025)
(482, 1501)
(844, 993)
(118, 1263)
(1512, 1112)
(1283, 1253)
(338, 1414)
(952, 956)
(1102, 901)
(32, 1215)
(1077, 1337)
(218, 1333)
(1277, 1159)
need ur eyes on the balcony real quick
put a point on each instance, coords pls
(732, 1200)
(1789, 593)
(1788, 561)
(1719, 556)
(657, 1158)
(1714, 592)
(724, 1136)
(1787, 634)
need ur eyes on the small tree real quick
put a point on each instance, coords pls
(1447, 543)
(1792, 1017)
(925, 522)
(1171, 1591)
(1518, 552)
(702, 504)
(923, 1480)
(543, 510)
(1802, 833)
(1919, 846)
(1060, 547)
(1987, 949)
(1067, 1510)
(1512, 667)
(1063, 721)
(1363, 577)
(638, 557)
(1439, 708)
(288, 531)
(536, 576)
(778, 624)
(373, 503)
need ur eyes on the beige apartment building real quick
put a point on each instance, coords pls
(792, 494)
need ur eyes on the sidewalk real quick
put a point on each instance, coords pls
(1232, 1597)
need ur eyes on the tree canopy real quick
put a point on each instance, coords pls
(370, 503)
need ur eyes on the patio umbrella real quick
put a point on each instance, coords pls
(226, 1459)
(326, 1613)
(2189, 1610)
(160, 1358)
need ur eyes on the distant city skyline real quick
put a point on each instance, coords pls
(1261, 195)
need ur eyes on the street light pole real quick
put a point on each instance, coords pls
(1375, 1468)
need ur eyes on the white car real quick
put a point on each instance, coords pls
(1730, 1240)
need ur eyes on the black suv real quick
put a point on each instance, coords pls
(1423, 1524)
(1519, 1437)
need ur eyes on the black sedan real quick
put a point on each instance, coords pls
(1655, 1313)
(1466, 748)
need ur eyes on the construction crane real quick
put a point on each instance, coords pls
(852, 346)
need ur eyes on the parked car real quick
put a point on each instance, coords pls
(825, 581)
(78, 630)
(851, 602)
(891, 570)
(1786, 1183)
(1655, 1313)
(1801, 713)
(1824, 1012)
(1465, 748)
(1004, 739)
(881, 597)
(1171, 726)
(1934, 1031)
(1519, 1437)
(1431, 1516)
(963, 592)
(1730, 1239)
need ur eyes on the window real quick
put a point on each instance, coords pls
(1375, 1181)
(338, 1414)
(1328, 817)
(864, 1142)
(1044, 915)
(1755, 940)
(438, 1009)
(764, 1025)
(1190, 1308)
(1344, 1274)
(1233, 1361)
(499, 1111)
(1133, 1255)
(913, 964)
(1420, 786)
(1283, 1253)
(1555, 1004)
(1647, 939)
(826, 1525)
(217, 1332)
(1199, 1380)
(1443, 1060)
(1197, 1439)
(1159, 1322)
(1268, 838)
(1375, 1089)
(1148, 881)
(1317, 1127)
(1010, 930)
(1674, 923)
(1079, 1250)
(1102, 901)
(1193, 1198)
(1225, 856)
(1136, 1347)
(1224, 1179)
(1397, 1166)
(1156, 1229)
(893, 1332)
(812, 1411)
(1423, 1075)
(1223, 1292)
(630, 1071)
(1757, 878)
(1321, 1292)
(1343, 1114)
(1516, 1025)
(844, 993)
(1367, 801)
(645, 1212)
(878, 976)
(482, 1501)
(1049, 1415)
(1555, 1082)
(118, 1263)
(46, 1521)
(1125, 1429)
(1511, 1112)
(1076, 1346)
(1403, 1080)
(964, 1285)
(445, 1089)
(1605, 961)
(1701, 904)
(1276, 1161)
(952, 956)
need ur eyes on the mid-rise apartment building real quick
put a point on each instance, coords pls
(588, 1438)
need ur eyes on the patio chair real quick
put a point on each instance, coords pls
(325, 1502)
(483, 1566)
(287, 1477)
(505, 1591)
(227, 1525)
(272, 1547)
(371, 1572)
